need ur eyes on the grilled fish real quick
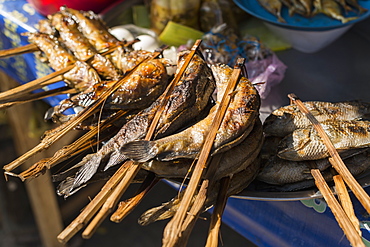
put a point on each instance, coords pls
(306, 144)
(236, 125)
(189, 97)
(286, 119)
(232, 161)
(274, 7)
(295, 175)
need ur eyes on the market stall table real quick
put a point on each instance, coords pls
(339, 72)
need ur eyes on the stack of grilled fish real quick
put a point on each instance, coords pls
(292, 146)
(79, 39)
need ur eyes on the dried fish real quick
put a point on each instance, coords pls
(284, 120)
(274, 7)
(332, 9)
(236, 125)
(189, 98)
(306, 144)
(232, 161)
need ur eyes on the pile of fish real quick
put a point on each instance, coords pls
(94, 61)
(292, 146)
(336, 9)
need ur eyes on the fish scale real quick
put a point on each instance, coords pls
(306, 144)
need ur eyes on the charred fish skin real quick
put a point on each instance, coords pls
(236, 125)
(52, 48)
(110, 155)
(306, 144)
(286, 119)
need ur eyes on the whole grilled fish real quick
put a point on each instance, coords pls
(189, 97)
(295, 175)
(306, 144)
(236, 125)
(332, 9)
(286, 119)
(274, 7)
(232, 161)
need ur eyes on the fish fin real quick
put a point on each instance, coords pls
(91, 164)
(140, 151)
(64, 187)
(162, 212)
(115, 158)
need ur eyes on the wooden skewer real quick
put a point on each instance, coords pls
(18, 50)
(134, 167)
(335, 159)
(33, 85)
(126, 207)
(173, 229)
(70, 150)
(216, 219)
(341, 217)
(38, 96)
(345, 201)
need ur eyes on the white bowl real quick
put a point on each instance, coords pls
(308, 41)
(304, 34)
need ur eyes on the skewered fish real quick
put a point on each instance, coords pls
(189, 98)
(284, 120)
(232, 161)
(236, 125)
(306, 144)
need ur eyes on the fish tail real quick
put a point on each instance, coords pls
(91, 164)
(140, 151)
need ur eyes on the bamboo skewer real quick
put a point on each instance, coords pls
(173, 229)
(33, 85)
(345, 201)
(38, 96)
(134, 167)
(216, 219)
(57, 133)
(341, 217)
(126, 207)
(18, 50)
(335, 159)
(348, 226)
(72, 149)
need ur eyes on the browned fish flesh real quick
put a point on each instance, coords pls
(286, 119)
(306, 144)
(238, 122)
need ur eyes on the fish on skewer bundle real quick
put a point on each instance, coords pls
(292, 147)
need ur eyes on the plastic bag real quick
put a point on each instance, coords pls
(264, 68)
